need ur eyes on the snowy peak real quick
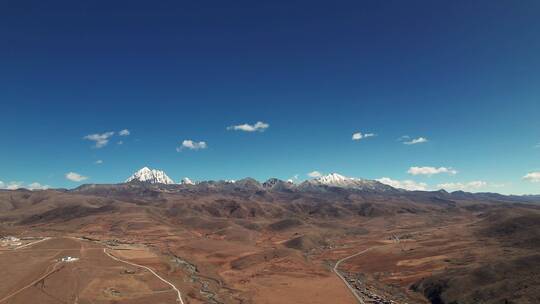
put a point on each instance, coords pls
(151, 176)
(338, 180)
(333, 179)
(322, 183)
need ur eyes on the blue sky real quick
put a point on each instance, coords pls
(465, 76)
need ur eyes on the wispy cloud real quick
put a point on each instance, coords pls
(75, 177)
(257, 127)
(532, 177)
(19, 185)
(407, 140)
(403, 184)
(98, 162)
(470, 186)
(37, 186)
(101, 140)
(360, 135)
(415, 141)
(12, 185)
(430, 171)
(404, 138)
(192, 145)
(124, 132)
(314, 174)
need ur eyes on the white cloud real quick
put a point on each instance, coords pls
(258, 126)
(13, 185)
(101, 140)
(314, 174)
(430, 171)
(75, 177)
(532, 177)
(415, 141)
(474, 185)
(19, 185)
(192, 145)
(37, 186)
(124, 132)
(359, 135)
(403, 184)
(98, 162)
(120, 142)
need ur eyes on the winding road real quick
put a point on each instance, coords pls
(179, 300)
(55, 268)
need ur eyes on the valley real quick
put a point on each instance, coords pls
(270, 152)
(245, 242)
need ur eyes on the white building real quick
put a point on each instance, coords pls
(68, 259)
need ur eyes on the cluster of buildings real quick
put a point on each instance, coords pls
(10, 241)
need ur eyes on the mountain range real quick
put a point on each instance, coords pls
(440, 239)
(331, 183)
(153, 176)
(334, 182)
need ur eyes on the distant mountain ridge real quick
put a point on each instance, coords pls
(340, 181)
(333, 183)
(152, 176)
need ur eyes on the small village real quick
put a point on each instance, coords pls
(10, 241)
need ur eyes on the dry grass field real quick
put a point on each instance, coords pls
(393, 249)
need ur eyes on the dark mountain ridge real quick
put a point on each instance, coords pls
(274, 185)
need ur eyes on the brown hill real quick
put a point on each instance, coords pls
(448, 247)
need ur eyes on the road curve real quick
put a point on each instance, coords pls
(179, 294)
(336, 270)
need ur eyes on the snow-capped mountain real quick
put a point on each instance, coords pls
(322, 183)
(151, 176)
(186, 181)
(338, 180)
(334, 179)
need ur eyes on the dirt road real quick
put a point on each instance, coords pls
(149, 269)
(336, 270)
(32, 284)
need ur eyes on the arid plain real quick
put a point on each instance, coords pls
(266, 243)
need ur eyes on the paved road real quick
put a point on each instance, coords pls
(336, 270)
(149, 269)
